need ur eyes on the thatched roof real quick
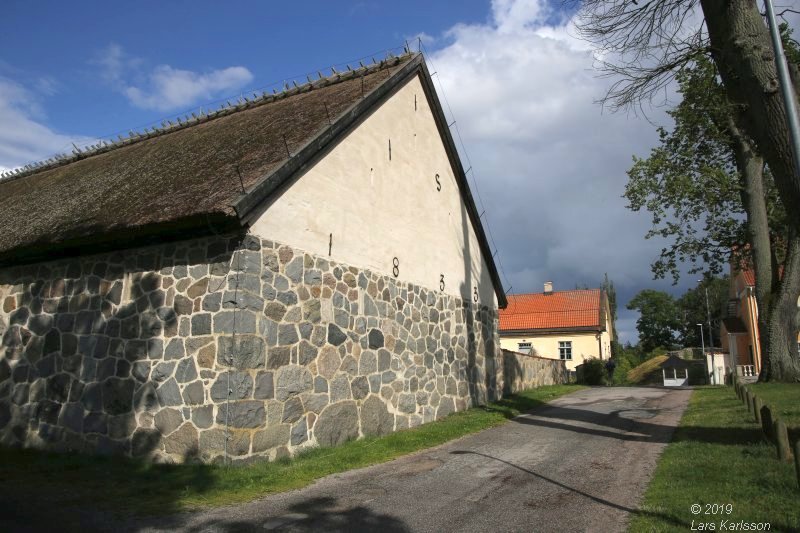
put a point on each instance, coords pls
(177, 178)
(207, 175)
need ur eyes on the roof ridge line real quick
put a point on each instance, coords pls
(199, 117)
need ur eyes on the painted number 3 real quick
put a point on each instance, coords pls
(475, 294)
(395, 267)
(441, 282)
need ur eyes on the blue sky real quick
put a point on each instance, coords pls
(549, 164)
(58, 49)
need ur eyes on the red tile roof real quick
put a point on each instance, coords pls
(749, 276)
(557, 310)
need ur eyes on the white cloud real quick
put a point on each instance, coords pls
(24, 138)
(550, 164)
(171, 88)
(165, 88)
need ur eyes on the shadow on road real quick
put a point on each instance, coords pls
(315, 514)
(631, 425)
(595, 499)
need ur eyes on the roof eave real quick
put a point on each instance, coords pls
(551, 331)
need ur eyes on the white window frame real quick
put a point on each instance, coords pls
(565, 350)
(521, 347)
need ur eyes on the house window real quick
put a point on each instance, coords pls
(524, 347)
(565, 350)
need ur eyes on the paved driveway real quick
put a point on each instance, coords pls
(580, 463)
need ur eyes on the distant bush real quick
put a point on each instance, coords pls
(594, 372)
(624, 365)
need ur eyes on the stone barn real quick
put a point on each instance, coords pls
(295, 269)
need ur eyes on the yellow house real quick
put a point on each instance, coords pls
(739, 330)
(569, 325)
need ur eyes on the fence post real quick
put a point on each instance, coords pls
(757, 405)
(766, 423)
(797, 460)
(748, 402)
(782, 440)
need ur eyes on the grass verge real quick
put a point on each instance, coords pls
(783, 398)
(718, 456)
(130, 487)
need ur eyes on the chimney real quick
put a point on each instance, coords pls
(548, 287)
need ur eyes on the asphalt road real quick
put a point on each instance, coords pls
(581, 463)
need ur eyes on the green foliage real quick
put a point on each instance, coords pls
(658, 318)
(594, 372)
(690, 183)
(692, 307)
(624, 365)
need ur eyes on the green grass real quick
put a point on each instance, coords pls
(718, 455)
(130, 487)
(783, 398)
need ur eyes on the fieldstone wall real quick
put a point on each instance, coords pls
(229, 346)
(522, 371)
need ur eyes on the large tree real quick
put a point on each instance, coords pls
(707, 191)
(645, 43)
(658, 320)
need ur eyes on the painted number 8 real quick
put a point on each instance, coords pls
(395, 267)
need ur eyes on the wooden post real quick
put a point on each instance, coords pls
(757, 405)
(782, 440)
(748, 402)
(766, 423)
(797, 460)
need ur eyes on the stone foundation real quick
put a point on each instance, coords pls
(230, 345)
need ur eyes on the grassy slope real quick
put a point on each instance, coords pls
(719, 456)
(642, 372)
(124, 486)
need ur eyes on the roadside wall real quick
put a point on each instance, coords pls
(522, 371)
(178, 352)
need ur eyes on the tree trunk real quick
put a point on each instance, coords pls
(741, 48)
(750, 165)
(784, 362)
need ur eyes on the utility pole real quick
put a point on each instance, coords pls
(703, 347)
(710, 329)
